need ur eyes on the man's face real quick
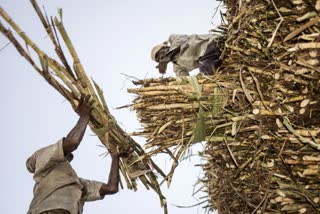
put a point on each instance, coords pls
(161, 53)
(69, 157)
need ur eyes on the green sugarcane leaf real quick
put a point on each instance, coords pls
(100, 94)
(100, 132)
(200, 129)
(44, 64)
(218, 100)
(60, 12)
(197, 88)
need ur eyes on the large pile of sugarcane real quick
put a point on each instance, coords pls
(259, 114)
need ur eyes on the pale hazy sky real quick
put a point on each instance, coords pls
(111, 37)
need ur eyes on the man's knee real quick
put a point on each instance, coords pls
(182, 73)
(208, 67)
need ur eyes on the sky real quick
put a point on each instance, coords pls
(114, 40)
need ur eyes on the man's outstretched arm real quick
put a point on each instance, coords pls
(113, 182)
(73, 139)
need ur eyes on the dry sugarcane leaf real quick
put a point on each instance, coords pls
(302, 28)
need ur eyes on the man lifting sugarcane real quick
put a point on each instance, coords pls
(188, 52)
(58, 189)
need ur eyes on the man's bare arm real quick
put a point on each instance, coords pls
(113, 182)
(73, 139)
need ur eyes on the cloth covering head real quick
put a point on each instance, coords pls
(156, 49)
(31, 166)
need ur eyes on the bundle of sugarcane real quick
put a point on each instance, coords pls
(72, 83)
(260, 113)
(175, 113)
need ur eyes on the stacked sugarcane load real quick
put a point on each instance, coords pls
(176, 113)
(259, 114)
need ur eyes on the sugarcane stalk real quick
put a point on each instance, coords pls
(50, 31)
(52, 63)
(79, 70)
(53, 82)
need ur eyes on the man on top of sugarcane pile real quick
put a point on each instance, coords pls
(188, 52)
(58, 189)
